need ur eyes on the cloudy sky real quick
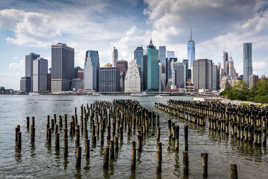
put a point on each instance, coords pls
(34, 25)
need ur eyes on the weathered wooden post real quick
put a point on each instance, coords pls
(186, 137)
(159, 158)
(28, 123)
(106, 158)
(185, 164)
(233, 171)
(133, 157)
(87, 149)
(205, 164)
(65, 143)
(57, 142)
(78, 158)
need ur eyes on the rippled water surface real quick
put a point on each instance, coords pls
(39, 161)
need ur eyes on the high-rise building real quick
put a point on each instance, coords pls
(170, 54)
(144, 74)
(109, 79)
(162, 54)
(186, 64)
(152, 67)
(25, 84)
(122, 66)
(115, 56)
(62, 68)
(49, 82)
(232, 72)
(91, 68)
(247, 62)
(191, 50)
(202, 74)
(253, 80)
(78, 73)
(138, 57)
(133, 78)
(40, 71)
(173, 77)
(29, 67)
(180, 75)
(225, 63)
(214, 77)
(168, 68)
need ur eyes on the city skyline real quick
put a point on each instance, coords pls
(28, 26)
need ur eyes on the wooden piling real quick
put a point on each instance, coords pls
(133, 157)
(106, 158)
(185, 164)
(159, 157)
(205, 164)
(233, 171)
(78, 158)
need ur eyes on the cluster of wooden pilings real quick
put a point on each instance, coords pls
(184, 113)
(106, 124)
(247, 124)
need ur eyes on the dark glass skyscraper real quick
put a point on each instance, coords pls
(62, 68)
(247, 62)
(109, 79)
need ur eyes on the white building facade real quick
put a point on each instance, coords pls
(133, 78)
(91, 68)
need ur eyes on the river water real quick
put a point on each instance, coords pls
(40, 162)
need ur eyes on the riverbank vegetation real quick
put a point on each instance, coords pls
(259, 93)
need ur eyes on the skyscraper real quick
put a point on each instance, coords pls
(191, 50)
(29, 67)
(115, 56)
(168, 68)
(138, 57)
(109, 79)
(40, 71)
(25, 84)
(91, 68)
(186, 64)
(144, 74)
(247, 62)
(162, 54)
(62, 68)
(133, 78)
(202, 74)
(152, 67)
(225, 63)
(122, 66)
(232, 72)
(180, 75)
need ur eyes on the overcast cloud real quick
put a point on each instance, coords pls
(218, 25)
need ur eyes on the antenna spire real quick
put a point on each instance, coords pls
(191, 35)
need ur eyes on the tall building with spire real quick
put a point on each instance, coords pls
(115, 56)
(191, 50)
(152, 67)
